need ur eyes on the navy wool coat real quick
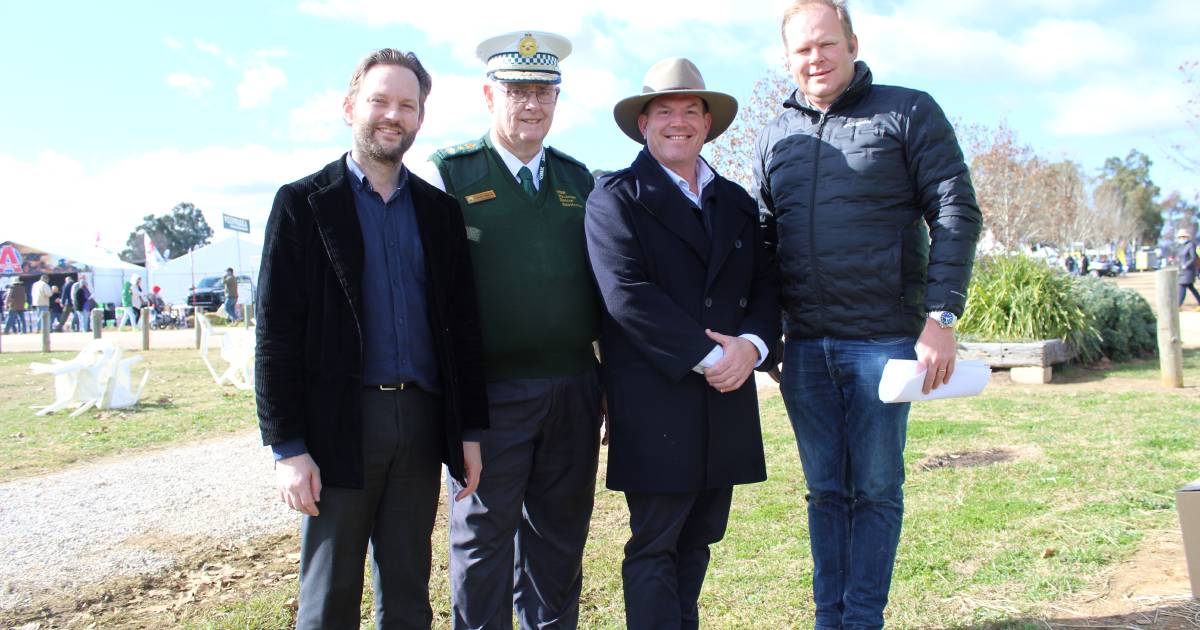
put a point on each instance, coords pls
(664, 280)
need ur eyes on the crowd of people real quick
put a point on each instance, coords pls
(70, 305)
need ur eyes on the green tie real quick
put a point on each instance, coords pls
(526, 178)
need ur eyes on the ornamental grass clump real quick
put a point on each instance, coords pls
(1017, 298)
(1125, 321)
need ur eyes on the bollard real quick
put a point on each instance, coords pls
(1170, 344)
(196, 315)
(247, 313)
(97, 322)
(45, 315)
(145, 322)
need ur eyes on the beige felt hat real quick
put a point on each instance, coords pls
(674, 76)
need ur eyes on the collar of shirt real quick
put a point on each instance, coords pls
(514, 163)
(704, 175)
(363, 183)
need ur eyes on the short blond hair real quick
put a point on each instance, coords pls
(838, 6)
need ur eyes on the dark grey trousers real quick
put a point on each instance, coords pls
(667, 555)
(518, 541)
(403, 433)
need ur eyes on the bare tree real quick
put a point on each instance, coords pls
(1185, 154)
(733, 153)
(1006, 177)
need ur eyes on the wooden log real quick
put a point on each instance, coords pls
(1017, 354)
(1170, 344)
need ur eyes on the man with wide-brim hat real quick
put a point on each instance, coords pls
(689, 305)
(523, 203)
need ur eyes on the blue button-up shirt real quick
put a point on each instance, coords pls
(397, 339)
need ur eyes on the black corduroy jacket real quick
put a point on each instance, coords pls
(309, 358)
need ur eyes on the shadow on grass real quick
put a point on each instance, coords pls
(1173, 617)
(1143, 368)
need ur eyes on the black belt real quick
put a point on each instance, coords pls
(392, 387)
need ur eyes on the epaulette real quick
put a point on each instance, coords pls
(458, 150)
(567, 158)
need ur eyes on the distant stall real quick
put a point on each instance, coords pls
(105, 273)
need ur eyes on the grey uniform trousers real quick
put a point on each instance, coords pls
(403, 437)
(518, 541)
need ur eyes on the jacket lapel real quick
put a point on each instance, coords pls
(658, 195)
(728, 219)
(337, 222)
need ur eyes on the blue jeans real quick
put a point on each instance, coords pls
(14, 322)
(231, 309)
(852, 449)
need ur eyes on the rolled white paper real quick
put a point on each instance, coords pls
(902, 381)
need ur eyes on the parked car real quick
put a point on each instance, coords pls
(1104, 265)
(209, 293)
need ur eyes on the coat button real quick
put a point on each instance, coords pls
(707, 302)
(738, 243)
(742, 302)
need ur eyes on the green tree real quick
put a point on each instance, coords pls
(1178, 213)
(174, 234)
(1127, 187)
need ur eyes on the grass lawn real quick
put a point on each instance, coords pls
(1084, 470)
(180, 402)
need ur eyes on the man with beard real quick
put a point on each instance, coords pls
(523, 203)
(361, 401)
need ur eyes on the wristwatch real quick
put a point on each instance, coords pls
(945, 319)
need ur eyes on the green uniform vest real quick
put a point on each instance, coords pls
(538, 302)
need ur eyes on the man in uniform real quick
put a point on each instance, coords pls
(690, 304)
(523, 204)
(869, 209)
(361, 400)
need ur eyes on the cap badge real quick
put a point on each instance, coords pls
(527, 46)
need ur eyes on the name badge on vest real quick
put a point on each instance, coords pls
(483, 196)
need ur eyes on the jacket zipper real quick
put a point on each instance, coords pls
(812, 221)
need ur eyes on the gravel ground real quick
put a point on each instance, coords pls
(123, 516)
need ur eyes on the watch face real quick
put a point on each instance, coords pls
(946, 319)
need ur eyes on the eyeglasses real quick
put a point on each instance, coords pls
(545, 95)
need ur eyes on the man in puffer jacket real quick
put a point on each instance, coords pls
(869, 211)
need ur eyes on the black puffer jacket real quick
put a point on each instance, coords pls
(869, 210)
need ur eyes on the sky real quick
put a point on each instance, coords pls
(119, 110)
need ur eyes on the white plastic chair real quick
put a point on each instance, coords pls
(96, 377)
(206, 338)
(237, 348)
(118, 392)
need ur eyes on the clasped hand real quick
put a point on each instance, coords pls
(735, 366)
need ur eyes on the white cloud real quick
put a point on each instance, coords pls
(572, 19)
(172, 43)
(455, 110)
(1103, 108)
(191, 85)
(237, 180)
(206, 47)
(318, 120)
(258, 82)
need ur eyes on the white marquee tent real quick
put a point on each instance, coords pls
(177, 277)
